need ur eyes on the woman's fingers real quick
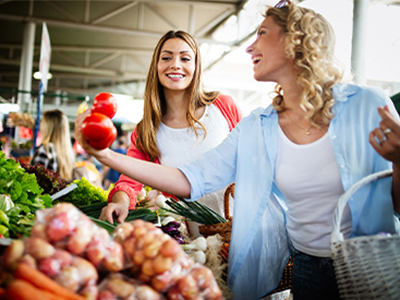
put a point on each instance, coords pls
(385, 139)
(107, 213)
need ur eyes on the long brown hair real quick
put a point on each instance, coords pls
(310, 41)
(55, 129)
(155, 103)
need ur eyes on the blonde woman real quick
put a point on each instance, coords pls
(181, 121)
(55, 152)
(292, 161)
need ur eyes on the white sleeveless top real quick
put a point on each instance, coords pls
(309, 178)
(180, 146)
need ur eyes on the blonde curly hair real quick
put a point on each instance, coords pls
(310, 41)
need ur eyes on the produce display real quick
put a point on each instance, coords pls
(118, 286)
(97, 127)
(85, 194)
(61, 250)
(29, 283)
(49, 180)
(20, 197)
(73, 254)
(70, 271)
(66, 227)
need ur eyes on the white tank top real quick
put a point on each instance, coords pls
(309, 178)
(180, 146)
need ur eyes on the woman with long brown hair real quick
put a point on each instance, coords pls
(181, 120)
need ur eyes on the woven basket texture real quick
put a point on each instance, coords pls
(368, 267)
(286, 279)
(223, 229)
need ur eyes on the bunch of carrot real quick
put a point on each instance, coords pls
(29, 283)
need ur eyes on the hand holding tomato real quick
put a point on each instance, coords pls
(99, 130)
(97, 127)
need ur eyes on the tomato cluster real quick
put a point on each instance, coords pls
(98, 128)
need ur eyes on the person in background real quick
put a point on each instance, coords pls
(292, 161)
(55, 152)
(110, 175)
(181, 121)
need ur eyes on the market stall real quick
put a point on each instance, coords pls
(60, 249)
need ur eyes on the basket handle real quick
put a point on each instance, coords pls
(336, 235)
(230, 190)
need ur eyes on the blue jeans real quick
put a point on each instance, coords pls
(313, 277)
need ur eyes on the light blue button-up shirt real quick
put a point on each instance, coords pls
(259, 245)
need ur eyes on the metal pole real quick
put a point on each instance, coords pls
(37, 124)
(25, 71)
(360, 14)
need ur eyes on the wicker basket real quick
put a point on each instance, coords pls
(223, 229)
(366, 267)
(286, 279)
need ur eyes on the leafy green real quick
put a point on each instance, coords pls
(5, 202)
(24, 192)
(85, 194)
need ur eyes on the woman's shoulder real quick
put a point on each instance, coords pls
(224, 101)
(345, 91)
(256, 115)
(229, 108)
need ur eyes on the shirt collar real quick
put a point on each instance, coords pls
(340, 92)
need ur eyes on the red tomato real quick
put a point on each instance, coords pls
(106, 104)
(99, 130)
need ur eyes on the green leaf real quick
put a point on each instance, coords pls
(15, 190)
(3, 218)
(47, 201)
(31, 183)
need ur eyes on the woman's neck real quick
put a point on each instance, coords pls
(176, 107)
(292, 96)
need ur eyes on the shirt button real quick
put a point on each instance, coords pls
(333, 137)
(342, 166)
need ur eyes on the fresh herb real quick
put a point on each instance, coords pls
(194, 211)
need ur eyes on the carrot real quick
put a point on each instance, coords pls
(22, 290)
(41, 281)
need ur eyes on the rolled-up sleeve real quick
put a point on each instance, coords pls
(215, 169)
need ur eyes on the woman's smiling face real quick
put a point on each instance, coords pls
(176, 65)
(268, 52)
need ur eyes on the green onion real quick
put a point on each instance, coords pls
(194, 211)
(104, 224)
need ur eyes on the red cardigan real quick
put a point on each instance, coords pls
(229, 109)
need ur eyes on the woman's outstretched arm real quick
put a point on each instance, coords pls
(167, 179)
